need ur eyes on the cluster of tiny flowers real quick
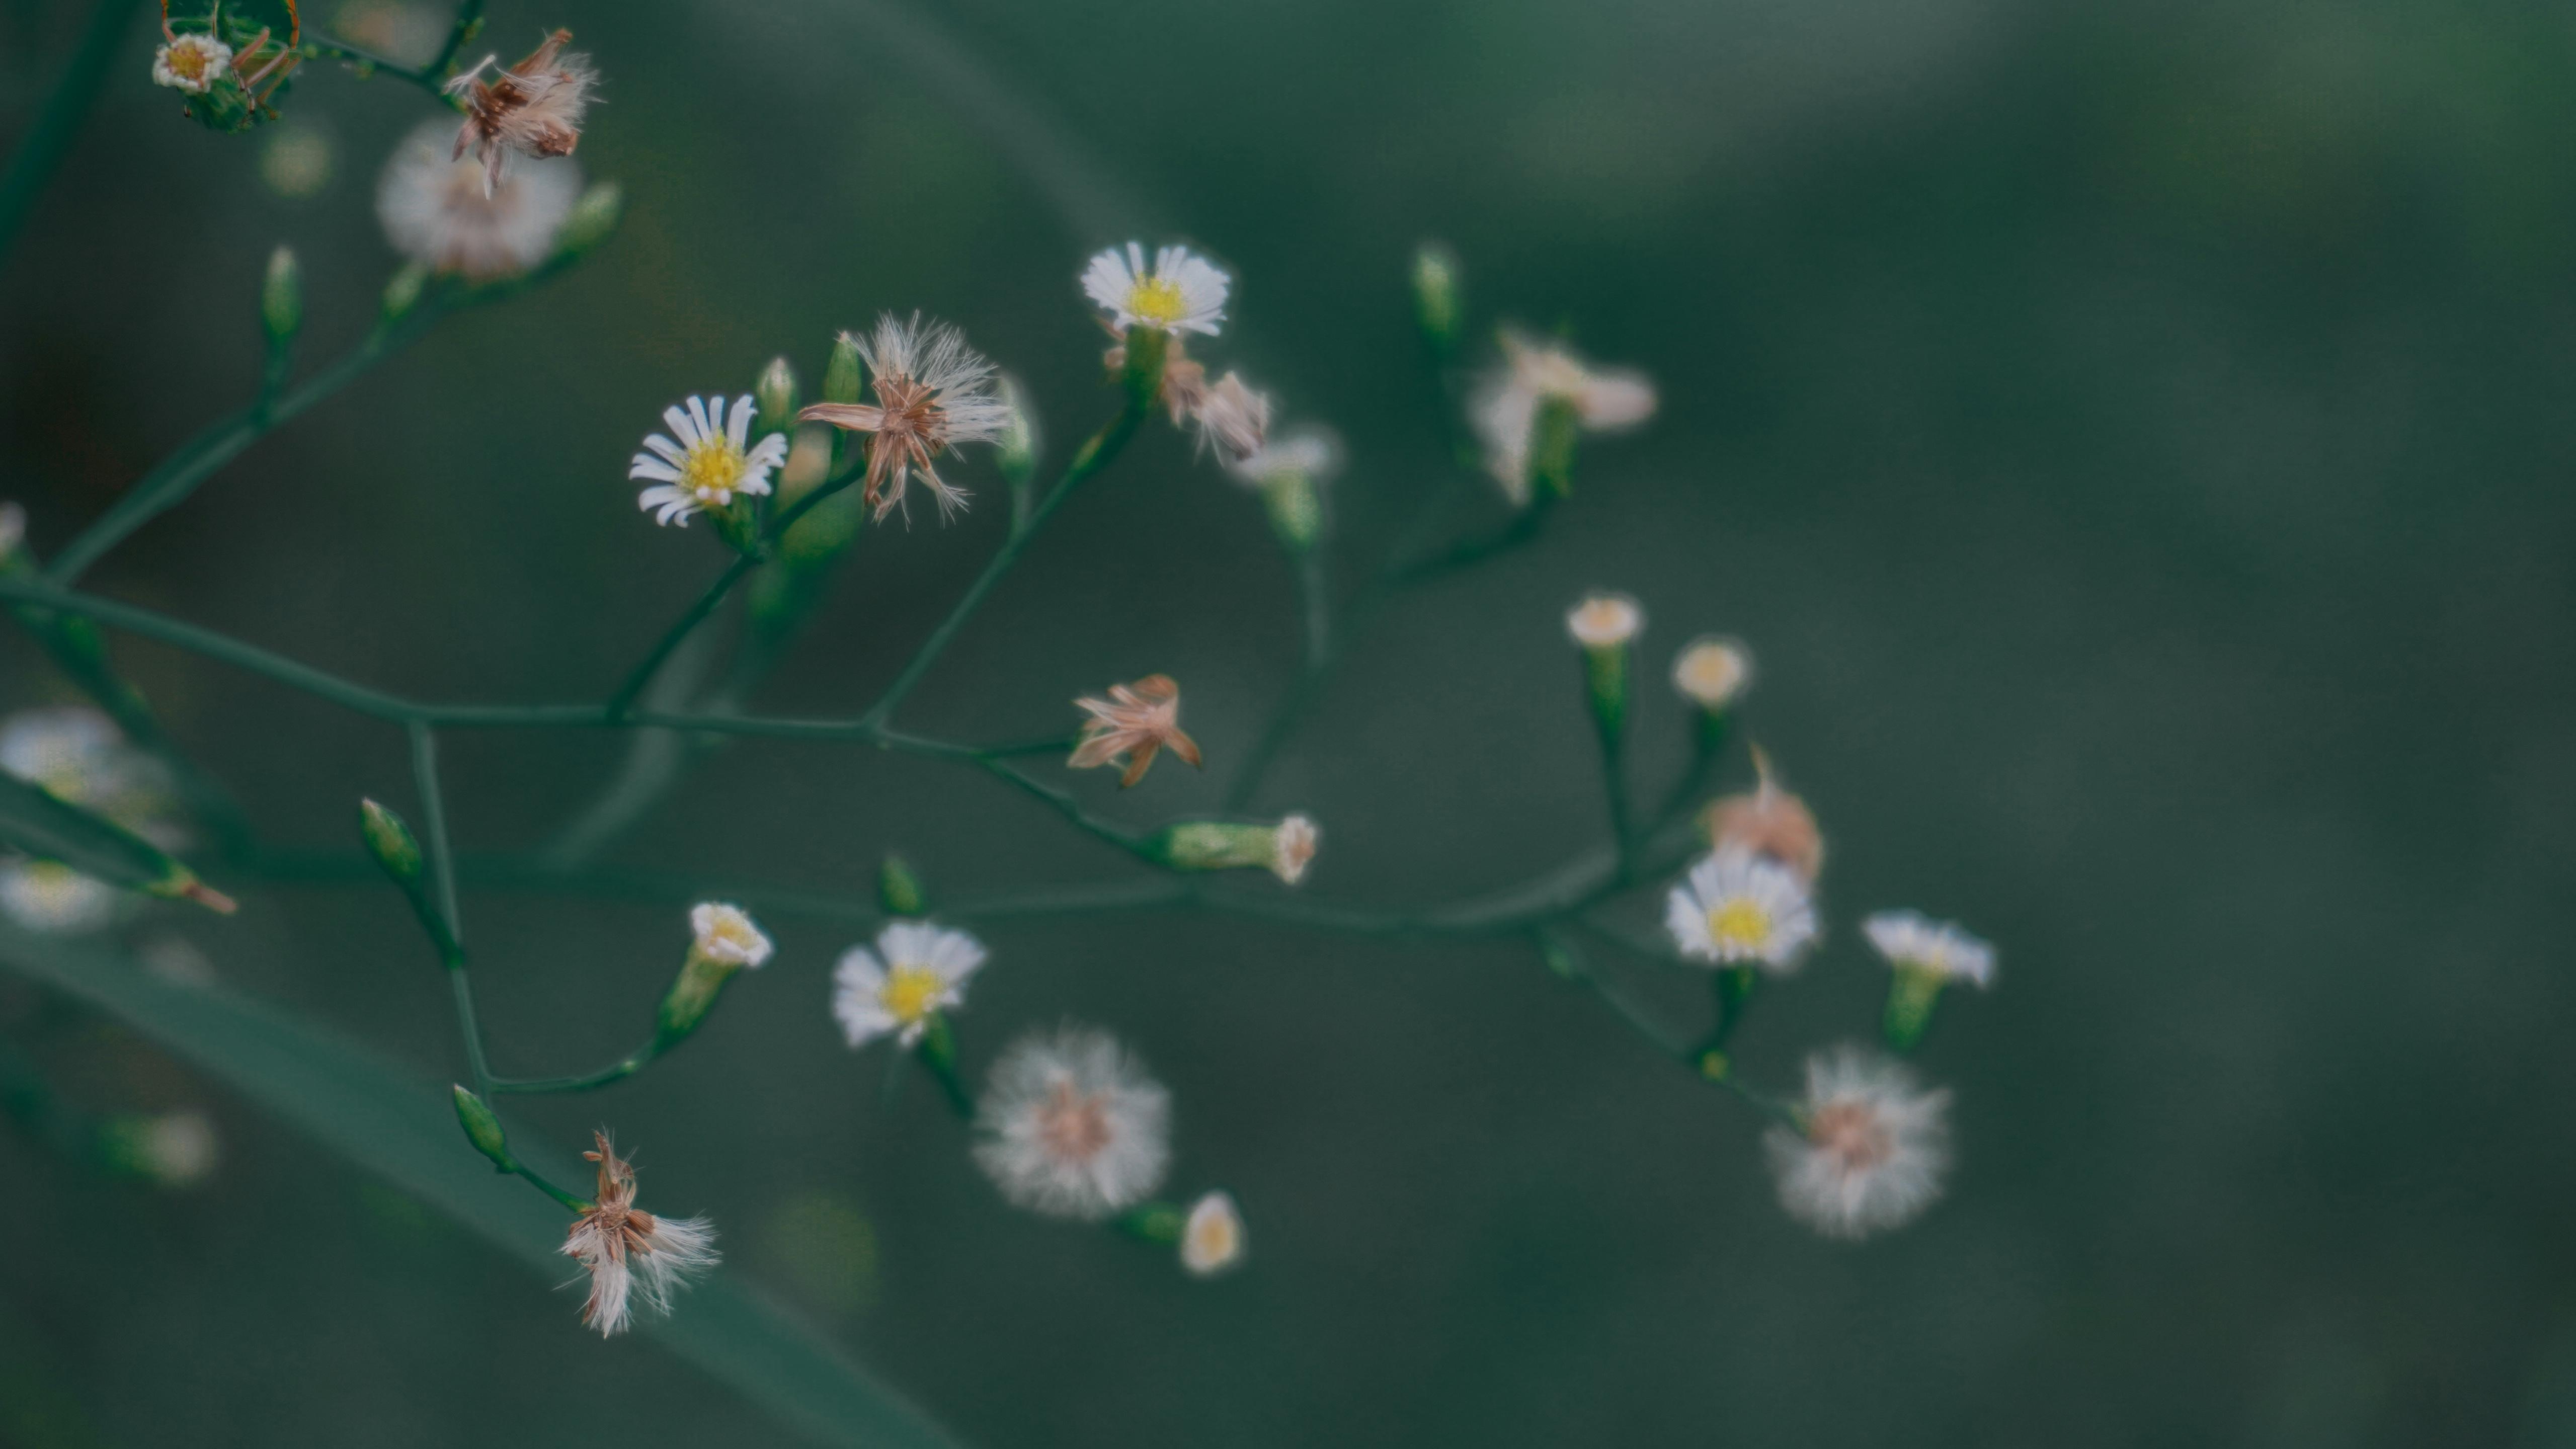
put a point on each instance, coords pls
(1073, 1126)
(934, 393)
(1870, 1149)
(917, 971)
(635, 1259)
(77, 755)
(711, 461)
(455, 217)
(1505, 410)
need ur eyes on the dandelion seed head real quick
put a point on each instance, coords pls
(1872, 1148)
(934, 393)
(1072, 1126)
(436, 210)
(636, 1260)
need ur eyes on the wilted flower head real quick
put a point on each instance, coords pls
(191, 63)
(1871, 1149)
(1738, 907)
(1532, 373)
(632, 1256)
(1768, 821)
(1710, 672)
(1131, 726)
(1212, 1238)
(917, 970)
(533, 108)
(1233, 417)
(1293, 847)
(1913, 941)
(1072, 1126)
(1605, 621)
(1181, 292)
(933, 393)
(726, 935)
(712, 460)
(436, 211)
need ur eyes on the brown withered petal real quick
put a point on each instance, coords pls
(1768, 821)
(1136, 723)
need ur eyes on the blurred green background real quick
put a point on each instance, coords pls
(2134, 439)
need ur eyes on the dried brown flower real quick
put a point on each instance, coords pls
(632, 1255)
(1133, 725)
(533, 108)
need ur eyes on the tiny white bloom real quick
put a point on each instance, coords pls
(1873, 1148)
(1605, 621)
(916, 970)
(1711, 672)
(1212, 1239)
(712, 461)
(1072, 1126)
(1293, 847)
(435, 211)
(1506, 406)
(1182, 292)
(1915, 941)
(1737, 906)
(726, 935)
(191, 63)
(41, 895)
(1313, 454)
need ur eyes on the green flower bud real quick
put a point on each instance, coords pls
(402, 291)
(1604, 624)
(390, 841)
(1296, 509)
(281, 296)
(484, 1131)
(1551, 455)
(1435, 295)
(899, 890)
(1911, 995)
(1283, 849)
(842, 377)
(593, 217)
(726, 942)
(1016, 451)
(776, 394)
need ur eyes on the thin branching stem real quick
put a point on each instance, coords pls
(50, 139)
(442, 888)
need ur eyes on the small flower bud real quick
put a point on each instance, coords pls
(842, 377)
(775, 393)
(484, 1131)
(281, 296)
(1711, 672)
(390, 841)
(402, 291)
(1435, 295)
(899, 890)
(593, 217)
(1283, 849)
(1016, 450)
(726, 941)
(1604, 624)
(1212, 1238)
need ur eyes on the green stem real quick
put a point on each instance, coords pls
(617, 1071)
(50, 139)
(641, 676)
(442, 894)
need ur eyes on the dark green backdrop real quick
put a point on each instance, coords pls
(2132, 436)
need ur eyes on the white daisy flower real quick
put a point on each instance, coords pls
(1913, 941)
(1873, 1150)
(917, 970)
(191, 63)
(726, 935)
(1738, 907)
(1605, 621)
(634, 1258)
(1183, 292)
(1711, 672)
(42, 896)
(435, 211)
(713, 460)
(1212, 1238)
(933, 392)
(1506, 406)
(1071, 1125)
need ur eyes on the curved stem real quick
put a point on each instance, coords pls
(50, 139)
(641, 676)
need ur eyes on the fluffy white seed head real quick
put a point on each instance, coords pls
(1872, 1148)
(1737, 907)
(436, 212)
(1072, 1126)
(1915, 941)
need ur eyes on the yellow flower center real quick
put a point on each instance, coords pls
(1740, 925)
(910, 992)
(1157, 301)
(1213, 1237)
(713, 470)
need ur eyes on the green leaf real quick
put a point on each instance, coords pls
(403, 1129)
(34, 820)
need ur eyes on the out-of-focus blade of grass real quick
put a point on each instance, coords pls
(392, 1124)
(35, 821)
